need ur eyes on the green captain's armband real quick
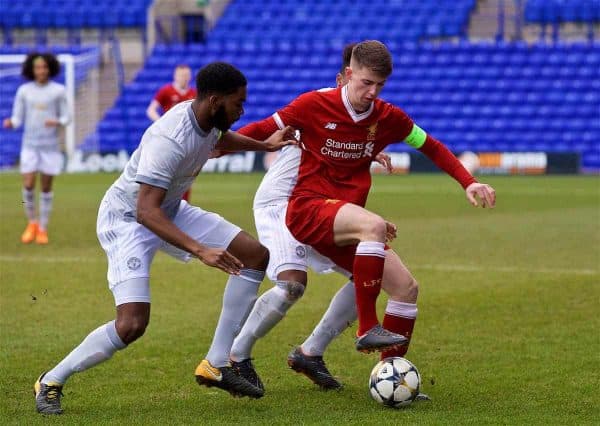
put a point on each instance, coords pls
(417, 137)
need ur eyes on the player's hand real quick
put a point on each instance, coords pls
(51, 122)
(483, 192)
(221, 259)
(7, 124)
(385, 160)
(281, 138)
(390, 231)
(216, 153)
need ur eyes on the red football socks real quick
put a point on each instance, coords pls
(368, 273)
(399, 318)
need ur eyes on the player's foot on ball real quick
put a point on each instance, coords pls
(422, 397)
(30, 232)
(312, 367)
(246, 369)
(41, 237)
(379, 339)
(47, 396)
(227, 379)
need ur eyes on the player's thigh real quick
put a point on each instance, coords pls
(285, 252)
(213, 230)
(129, 246)
(397, 281)
(353, 224)
(51, 162)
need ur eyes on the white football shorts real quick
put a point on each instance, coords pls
(130, 246)
(44, 160)
(285, 251)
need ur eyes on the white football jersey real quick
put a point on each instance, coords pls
(279, 181)
(172, 152)
(34, 104)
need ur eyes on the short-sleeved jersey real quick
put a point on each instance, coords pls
(34, 104)
(172, 152)
(339, 144)
(168, 96)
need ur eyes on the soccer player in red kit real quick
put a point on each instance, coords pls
(170, 95)
(343, 129)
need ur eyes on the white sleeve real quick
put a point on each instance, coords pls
(18, 112)
(64, 113)
(160, 158)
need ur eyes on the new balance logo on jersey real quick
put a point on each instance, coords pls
(331, 126)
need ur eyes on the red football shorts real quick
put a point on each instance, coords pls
(310, 220)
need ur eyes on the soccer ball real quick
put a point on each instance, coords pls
(394, 382)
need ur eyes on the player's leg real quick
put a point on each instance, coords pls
(28, 168)
(51, 163)
(308, 357)
(98, 346)
(287, 269)
(356, 225)
(401, 309)
(46, 198)
(238, 298)
(130, 248)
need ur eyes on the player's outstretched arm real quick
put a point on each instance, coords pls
(153, 217)
(234, 141)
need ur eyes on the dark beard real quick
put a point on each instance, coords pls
(220, 120)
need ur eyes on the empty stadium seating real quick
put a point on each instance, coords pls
(557, 11)
(73, 14)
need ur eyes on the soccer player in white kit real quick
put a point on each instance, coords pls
(143, 212)
(289, 260)
(41, 107)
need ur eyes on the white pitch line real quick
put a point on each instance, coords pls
(509, 269)
(429, 266)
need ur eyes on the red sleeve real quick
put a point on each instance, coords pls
(293, 113)
(259, 130)
(402, 124)
(160, 96)
(445, 160)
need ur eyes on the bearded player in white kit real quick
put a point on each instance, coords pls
(143, 212)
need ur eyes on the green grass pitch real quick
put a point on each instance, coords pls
(508, 329)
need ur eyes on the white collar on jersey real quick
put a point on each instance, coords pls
(355, 116)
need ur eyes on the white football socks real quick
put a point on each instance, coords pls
(29, 204)
(97, 347)
(270, 308)
(238, 300)
(45, 208)
(338, 317)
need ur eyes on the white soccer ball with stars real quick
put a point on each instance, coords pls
(394, 382)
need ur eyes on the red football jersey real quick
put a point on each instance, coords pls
(338, 144)
(168, 96)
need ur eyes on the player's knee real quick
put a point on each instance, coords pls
(293, 289)
(256, 257)
(132, 328)
(373, 229)
(412, 289)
